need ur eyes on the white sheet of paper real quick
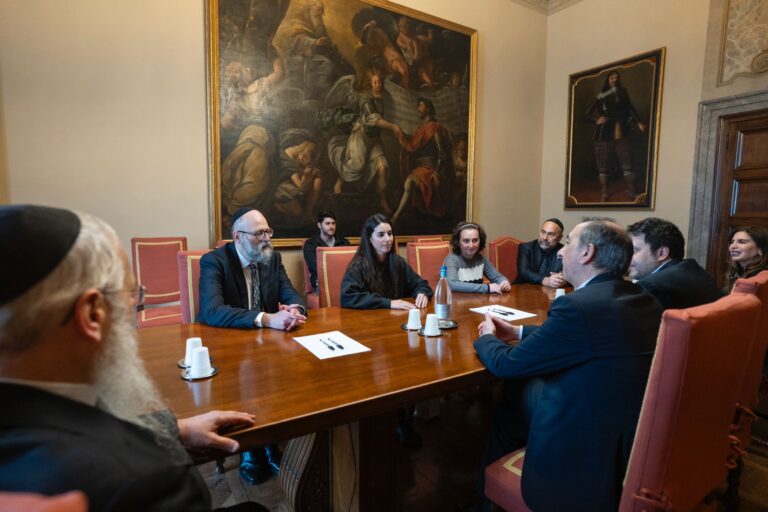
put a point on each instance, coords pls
(503, 312)
(331, 344)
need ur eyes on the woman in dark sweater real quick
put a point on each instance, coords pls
(377, 278)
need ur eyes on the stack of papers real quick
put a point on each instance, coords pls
(331, 344)
(503, 312)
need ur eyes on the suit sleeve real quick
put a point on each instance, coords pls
(524, 272)
(355, 295)
(288, 294)
(213, 310)
(561, 342)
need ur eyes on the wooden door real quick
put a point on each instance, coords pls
(741, 183)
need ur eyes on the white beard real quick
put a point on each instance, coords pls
(121, 382)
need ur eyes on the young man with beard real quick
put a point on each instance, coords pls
(658, 266)
(326, 223)
(243, 284)
(79, 410)
(537, 260)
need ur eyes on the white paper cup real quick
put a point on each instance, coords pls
(414, 319)
(559, 292)
(192, 344)
(201, 363)
(431, 327)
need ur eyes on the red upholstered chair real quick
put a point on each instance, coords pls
(502, 253)
(72, 501)
(313, 300)
(426, 258)
(332, 263)
(750, 394)
(189, 283)
(682, 447)
(154, 264)
(432, 238)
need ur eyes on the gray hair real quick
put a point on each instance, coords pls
(93, 262)
(613, 246)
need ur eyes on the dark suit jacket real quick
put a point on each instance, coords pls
(681, 284)
(529, 257)
(50, 444)
(224, 294)
(594, 353)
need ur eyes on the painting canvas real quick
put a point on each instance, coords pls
(356, 107)
(613, 132)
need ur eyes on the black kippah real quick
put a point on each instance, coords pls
(35, 239)
(240, 212)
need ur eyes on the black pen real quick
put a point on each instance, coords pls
(502, 312)
(338, 345)
(327, 345)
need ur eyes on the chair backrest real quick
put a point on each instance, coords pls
(426, 258)
(749, 395)
(154, 264)
(332, 263)
(681, 448)
(431, 238)
(219, 243)
(502, 253)
(72, 501)
(189, 284)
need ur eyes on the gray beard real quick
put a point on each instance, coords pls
(124, 388)
(263, 257)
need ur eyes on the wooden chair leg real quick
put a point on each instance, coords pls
(731, 496)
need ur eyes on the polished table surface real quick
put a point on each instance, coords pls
(291, 392)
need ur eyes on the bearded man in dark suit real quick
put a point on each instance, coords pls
(658, 266)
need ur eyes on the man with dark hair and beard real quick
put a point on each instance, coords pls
(79, 410)
(243, 284)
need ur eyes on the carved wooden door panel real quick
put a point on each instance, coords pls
(741, 183)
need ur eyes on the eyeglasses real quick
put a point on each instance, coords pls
(262, 234)
(137, 295)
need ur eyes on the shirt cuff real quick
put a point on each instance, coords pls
(257, 320)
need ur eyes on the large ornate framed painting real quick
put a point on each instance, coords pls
(614, 112)
(351, 106)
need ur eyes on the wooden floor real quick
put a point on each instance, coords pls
(442, 475)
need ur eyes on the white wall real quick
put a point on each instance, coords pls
(595, 32)
(103, 110)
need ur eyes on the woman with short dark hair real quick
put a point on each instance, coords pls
(466, 266)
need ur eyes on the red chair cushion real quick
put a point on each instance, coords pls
(502, 481)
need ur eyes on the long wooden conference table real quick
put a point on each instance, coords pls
(350, 400)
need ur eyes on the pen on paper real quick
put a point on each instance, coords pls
(326, 344)
(338, 345)
(502, 312)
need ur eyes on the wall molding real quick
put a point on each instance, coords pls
(547, 6)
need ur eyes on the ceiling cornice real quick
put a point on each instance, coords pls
(547, 6)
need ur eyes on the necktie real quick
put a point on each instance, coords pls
(544, 265)
(255, 287)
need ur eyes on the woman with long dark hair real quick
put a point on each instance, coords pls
(377, 278)
(748, 253)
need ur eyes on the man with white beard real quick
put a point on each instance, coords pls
(79, 411)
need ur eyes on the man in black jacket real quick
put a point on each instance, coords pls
(243, 284)
(537, 260)
(326, 237)
(79, 411)
(658, 266)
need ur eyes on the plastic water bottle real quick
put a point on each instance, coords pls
(443, 297)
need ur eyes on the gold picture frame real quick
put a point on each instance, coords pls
(614, 114)
(293, 87)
